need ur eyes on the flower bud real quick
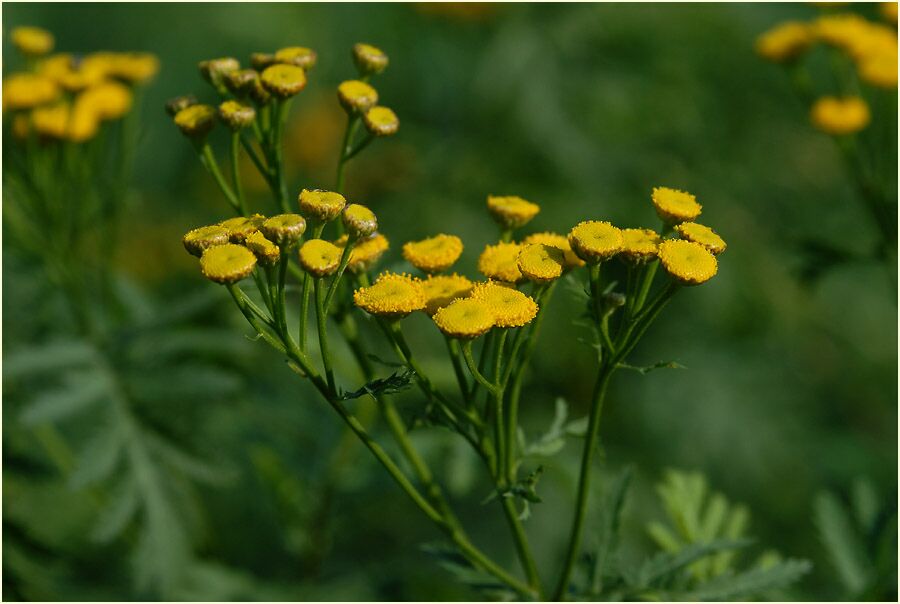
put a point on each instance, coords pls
(241, 82)
(321, 205)
(181, 102)
(261, 60)
(369, 59)
(236, 115)
(199, 240)
(241, 227)
(215, 70)
(227, 263)
(283, 81)
(298, 56)
(356, 96)
(284, 229)
(265, 251)
(359, 220)
(381, 121)
(196, 121)
(320, 258)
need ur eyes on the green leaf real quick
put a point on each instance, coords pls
(158, 346)
(553, 440)
(842, 542)
(98, 459)
(47, 358)
(396, 382)
(648, 368)
(123, 503)
(665, 564)
(866, 504)
(79, 391)
(609, 528)
(751, 583)
(460, 567)
(188, 464)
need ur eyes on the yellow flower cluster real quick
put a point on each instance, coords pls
(64, 98)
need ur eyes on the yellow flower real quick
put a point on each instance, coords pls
(356, 95)
(134, 67)
(784, 42)
(511, 308)
(381, 121)
(888, 11)
(284, 229)
(196, 121)
(879, 70)
(261, 60)
(541, 263)
(21, 126)
(55, 66)
(359, 220)
(83, 122)
(265, 251)
(227, 263)
(321, 205)
(441, 290)
(595, 241)
(199, 240)
(465, 319)
(510, 211)
(371, 60)
(689, 263)
(639, 245)
(557, 241)
(25, 90)
(236, 115)
(366, 252)
(283, 80)
(32, 41)
(434, 254)
(391, 296)
(705, 236)
(214, 71)
(674, 206)
(84, 76)
(500, 262)
(297, 56)
(173, 106)
(839, 116)
(241, 82)
(51, 121)
(320, 258)
(856, 36)
(241, 227)
(109, 100)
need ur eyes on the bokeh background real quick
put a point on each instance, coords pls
(790, 386)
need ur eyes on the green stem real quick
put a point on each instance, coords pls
(453, 351)
(345, 259)
(321, 320)
(473, 369)
(212, 166)
(236, 172)
(278, 153)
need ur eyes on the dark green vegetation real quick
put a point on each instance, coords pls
(789, 388)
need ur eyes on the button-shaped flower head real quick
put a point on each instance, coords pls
(173, 106)
(705, 236)
(500, 262)
(359, 220)
(465, 319)
(785, 42)
(284, 229)
(227, 263)
(541, 263)
(511, 308)
(441, 290)
(196, 121)
(369, 59)
(674, 206)
(236, 115)
(321, 205)
(32, 41)
(241, 227)
(511, 211)
(356, 96)
(595, 241)
(434, 254)
(392, 296)
(639, 245)
(283, 81)
(381, 121)
(558, 241)
(265, 251)
(199, 240)
(687, 262)
(214, 71)
(299, 56)
(320, 258)
(25, 90)
(840, 116)
(366, 252)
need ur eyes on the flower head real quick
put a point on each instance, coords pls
(25, 90)
(369, 59)
(196, 121)
(839, 116)
(320, 258)
(441, 290)
(214, 71)
(109, 100)
(321, 205)
(510, 211)
(366, 252)
(511, 308)
(639, 245)
(674, 206)
(541, 263)
(434, 254)
(265, 251)
(284, 229)
(261, 60)
(465, 319)
(356, 96)
(391, 296)
(359, 220)
(879, 70)
(51, 121)
(595, 241)
(241, 227)
(175, 105)
(557, 241)
(241, 82)
(283, 81)
(227, 263)
(199, 240)
(500, 262)
(236, 115)
(32, 41)
(298, 56)
(134, 67)
(705, 236)
(381, 121)
(785, 42)
(687, 262)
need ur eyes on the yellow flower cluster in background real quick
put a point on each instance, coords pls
(67, 97)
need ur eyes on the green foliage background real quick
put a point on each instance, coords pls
(790, 388)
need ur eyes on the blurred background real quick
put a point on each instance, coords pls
(789, 387)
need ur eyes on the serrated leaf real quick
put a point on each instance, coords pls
(47, 358)
(578, 427)
(553, 440)
(78, 392)
(842, 542)
(114, 517)
(754, 582)
(665, 564)
(396, 382)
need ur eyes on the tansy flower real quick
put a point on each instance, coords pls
(879, 70)
(511, 308)
(109, 100)
(55, 66)
(282, 80)
(639, 245)
(241, 227)
(372, 60)
(434, 254)
(500, 262)
(261, 60)
(441, 290)
(381, 121)
(284, 229)
(838, 116)
(674, 206)
(365, 252)
(298, 56)
(25, 90)
(227, 263)
(784, 42)
(557, 241)
(134, 67)
(199, 240)
(595, 241)
(264, 250)
(359, 220)
(321, 205)
(510, 211)
(236, 115)
(391, 296)
(196, 121)
(32, 41)
(51, 121)
(541, 263)
(465, 319)
(241, 82)
(705, 236)
(689, 263)
(83, 122)
(175, 105)
(215, 70)
(356, 95)
(320, 258)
